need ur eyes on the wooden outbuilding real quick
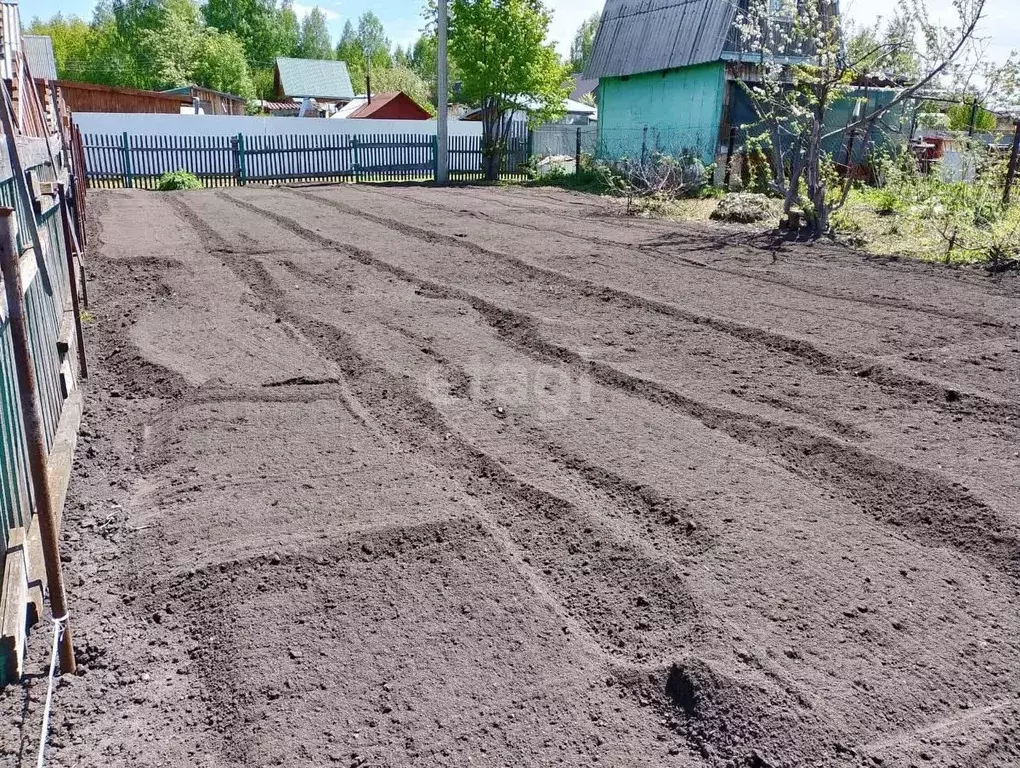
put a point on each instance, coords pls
(89, 97)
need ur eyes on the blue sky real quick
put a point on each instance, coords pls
(402, 18)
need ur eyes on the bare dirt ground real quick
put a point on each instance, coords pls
(411, 477)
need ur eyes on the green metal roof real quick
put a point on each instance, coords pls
(314, 78)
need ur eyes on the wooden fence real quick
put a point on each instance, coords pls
(114, 161)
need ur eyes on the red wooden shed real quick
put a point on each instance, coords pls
(391, 106)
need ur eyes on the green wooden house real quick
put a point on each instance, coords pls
(670, 75)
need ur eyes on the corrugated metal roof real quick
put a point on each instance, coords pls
(650, 35)
(39, 52)
(315, 78)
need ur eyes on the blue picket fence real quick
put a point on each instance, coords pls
(124, 160)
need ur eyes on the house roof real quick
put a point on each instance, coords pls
(382, 100)
(185, 90)
(280, 106)
(39, 52)
(350, 108)
(314, 78)
(637, 36)
(582, 86)
(570, 106)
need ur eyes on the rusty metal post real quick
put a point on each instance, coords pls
(10, 263)
(72, 279)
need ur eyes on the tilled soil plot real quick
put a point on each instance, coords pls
(409, 477)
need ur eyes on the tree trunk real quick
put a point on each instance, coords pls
(792, 192)
(778, 157)
(818, 218)
(490, 164)
(490, 140)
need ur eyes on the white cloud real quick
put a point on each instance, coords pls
(301, 10)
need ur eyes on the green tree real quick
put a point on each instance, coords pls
(364, 46)
(289, 31)
(219, 63)
(423, 59)
(401, 78)
(424, 56)
(349, 51)
(584, 41)
(170, 44)
(888, 47)
(265, 29)
(71, 36)
(315, 42)
(374, 43)
(505, 67)
(960, 117)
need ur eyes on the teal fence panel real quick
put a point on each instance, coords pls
(47, 297)
(15, 490)
(116, 160)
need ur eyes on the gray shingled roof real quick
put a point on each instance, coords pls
(39, 52)
(314, 78)
(651, 35)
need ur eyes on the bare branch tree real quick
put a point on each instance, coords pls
(803, 70)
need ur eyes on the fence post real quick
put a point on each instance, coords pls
(356, 143)
(128, 181)
(644, 144)
(577, 153)
(72, 278)
(10, 267)
(1014, 156)
(435, 158)
(242, 159)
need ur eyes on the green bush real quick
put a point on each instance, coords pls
(887, 202)
(169, 182)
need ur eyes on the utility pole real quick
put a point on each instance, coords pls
(442, 101)
(368, 77)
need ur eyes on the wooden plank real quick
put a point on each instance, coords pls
(14, 608)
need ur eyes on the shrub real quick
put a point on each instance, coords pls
(887, 202)
(744, 208)
(178, 180)
(664, 175)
